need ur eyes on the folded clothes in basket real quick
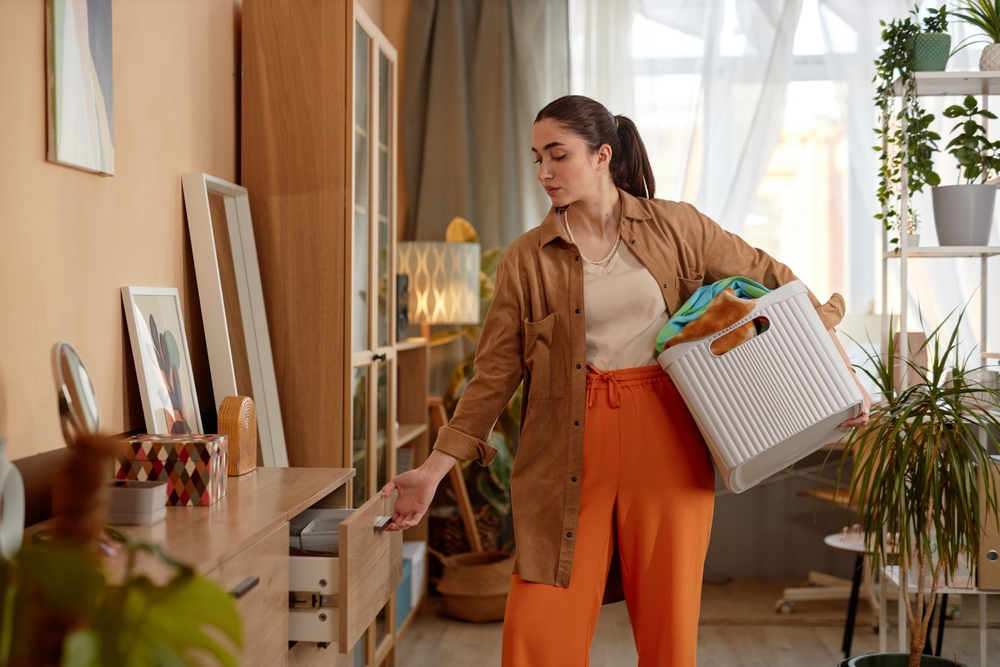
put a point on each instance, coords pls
(710, 309)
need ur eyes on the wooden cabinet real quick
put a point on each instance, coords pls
(242, 543)
(319, 154)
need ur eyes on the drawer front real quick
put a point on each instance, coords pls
(310, 655)
(314, 574)
(320, 625)
(264, 607)
(371, 567)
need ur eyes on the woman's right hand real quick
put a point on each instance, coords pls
(416, 490)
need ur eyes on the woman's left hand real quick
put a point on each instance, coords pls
(861, 419)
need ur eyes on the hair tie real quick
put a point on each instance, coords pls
(616, 122)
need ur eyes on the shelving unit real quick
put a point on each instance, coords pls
(937, 84)
(933, 84)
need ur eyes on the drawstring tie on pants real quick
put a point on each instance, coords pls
(614, 389)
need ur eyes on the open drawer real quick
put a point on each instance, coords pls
(346, 591)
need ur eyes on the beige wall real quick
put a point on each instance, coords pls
(70, 239)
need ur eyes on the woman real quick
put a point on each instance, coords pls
(612, 488)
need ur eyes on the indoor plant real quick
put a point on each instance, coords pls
(963, 213)
(61, 609)
(912, 147)
(985, 15)
(932, 47)
(915, 473)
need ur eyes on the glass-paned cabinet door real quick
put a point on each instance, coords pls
(360, 308)
(373, 247)
(384, 178)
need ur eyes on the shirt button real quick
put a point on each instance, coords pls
(574, 479)
(578, 258)
(664, 286)
(569, 534)
(579, 366)
(577, 311)
(633, 241)
(576, 423)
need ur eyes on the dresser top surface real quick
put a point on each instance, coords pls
(255, 504)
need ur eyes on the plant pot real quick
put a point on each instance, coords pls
(474, 586)
(963, 214)
(912, 240)
(990, 60)
(897, 660)
(931, 51)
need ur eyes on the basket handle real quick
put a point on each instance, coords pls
(446, 560)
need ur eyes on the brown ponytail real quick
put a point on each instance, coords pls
(592, 122)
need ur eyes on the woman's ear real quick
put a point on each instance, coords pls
(604, 157)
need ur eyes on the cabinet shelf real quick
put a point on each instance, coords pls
(947, 251)
(954, 83)
(407, 432)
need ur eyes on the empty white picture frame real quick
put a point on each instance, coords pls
(232, 304)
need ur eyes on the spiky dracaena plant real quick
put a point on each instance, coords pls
(915, 468)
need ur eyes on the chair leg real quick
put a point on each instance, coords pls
(944, 615)
(852, 608)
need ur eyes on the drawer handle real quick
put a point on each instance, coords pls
(244, 587)
(381, 522)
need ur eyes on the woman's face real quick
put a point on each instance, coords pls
(567, 169)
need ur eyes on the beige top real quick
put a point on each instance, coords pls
(624, 311)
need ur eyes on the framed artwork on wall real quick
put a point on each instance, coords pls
(80, 86)
(162, 361)
(232, 304)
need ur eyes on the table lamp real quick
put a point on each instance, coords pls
(443, 283)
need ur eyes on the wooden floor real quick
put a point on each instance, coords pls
(434, 641)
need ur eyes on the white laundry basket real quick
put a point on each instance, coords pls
(772, 400)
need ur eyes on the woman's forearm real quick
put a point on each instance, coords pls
(438, 464)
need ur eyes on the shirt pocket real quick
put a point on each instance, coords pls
(688, 286)
(545, 358)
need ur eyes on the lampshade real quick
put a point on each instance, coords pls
(444, 281)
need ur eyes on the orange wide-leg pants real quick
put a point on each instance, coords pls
(647, 476)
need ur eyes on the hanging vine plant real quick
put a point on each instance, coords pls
(904, 126)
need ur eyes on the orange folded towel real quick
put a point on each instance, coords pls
(723, 310)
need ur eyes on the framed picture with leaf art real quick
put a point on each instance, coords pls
(162, 362)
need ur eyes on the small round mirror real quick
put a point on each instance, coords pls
(78, 409)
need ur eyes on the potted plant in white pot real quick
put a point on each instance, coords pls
(915, 474)
(963, 213)
(985, 15)
(913, 148)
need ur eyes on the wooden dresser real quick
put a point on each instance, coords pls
(246, 535)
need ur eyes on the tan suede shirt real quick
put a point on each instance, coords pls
(535, 331)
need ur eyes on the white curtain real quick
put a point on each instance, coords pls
(705, 82)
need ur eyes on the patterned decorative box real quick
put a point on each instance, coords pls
(193, 466)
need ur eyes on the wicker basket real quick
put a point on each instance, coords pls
(474, 586)
(446, 533)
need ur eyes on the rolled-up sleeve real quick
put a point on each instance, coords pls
(498, 367)
(726, 254)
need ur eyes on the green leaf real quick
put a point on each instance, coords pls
(177, 616)
(172, 351)
(502, 464)
(67, 578)
(489, 260)
(81, 648)
(495, 497)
